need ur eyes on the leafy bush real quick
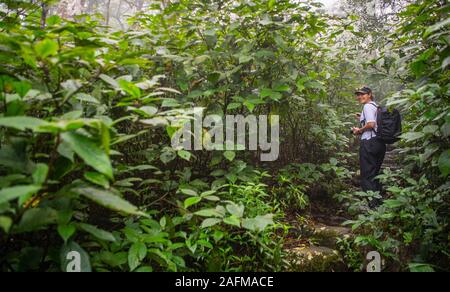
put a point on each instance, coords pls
(297, 182)
(411, 226)
(82, 108)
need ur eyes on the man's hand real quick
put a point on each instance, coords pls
(356, 131)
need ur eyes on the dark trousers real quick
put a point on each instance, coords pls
(371, 156)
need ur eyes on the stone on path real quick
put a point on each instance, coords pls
(322, 257)
(327, 235)
(315, 259)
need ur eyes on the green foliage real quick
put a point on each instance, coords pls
(76, 100)
(87, 113)
(410, 228)
(411, 219)
(296, 181)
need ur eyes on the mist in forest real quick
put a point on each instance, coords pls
(115, 13)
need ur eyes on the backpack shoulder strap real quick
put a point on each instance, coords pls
(378, 109)
(374, 104)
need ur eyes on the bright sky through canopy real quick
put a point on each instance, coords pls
(328, 3)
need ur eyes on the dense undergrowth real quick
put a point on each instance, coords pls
(87, 114)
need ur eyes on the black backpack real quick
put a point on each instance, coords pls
(389, 123)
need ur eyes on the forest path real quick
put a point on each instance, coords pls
(316, 247)
(319, 253)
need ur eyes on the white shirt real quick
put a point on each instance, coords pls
(369, 114)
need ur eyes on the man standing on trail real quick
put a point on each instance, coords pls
(372, 149)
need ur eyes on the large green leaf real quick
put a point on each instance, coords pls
(130, 88)
(136, 254)
(11, 193)
(97, 232)
(244, 59)
(412, 136)
(5, 223)
(229, 155)
(40, 173)
(232, 220)
(109, 200)
(114, 259)
(189, 192)
(258, 223)
(83, 97)
(109, 80)
(191, 201)
(90, 152)
(235, 209)
(209, 213)
(186, 155)
(34, 219)
(22, 123)
(97, 178)
(46, 48)
(267, 92)
(66, 231)
(168, 155)
(208, 222)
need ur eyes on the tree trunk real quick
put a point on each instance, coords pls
(44, 13)
(107, 13)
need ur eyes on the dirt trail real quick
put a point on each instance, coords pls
(312, 243)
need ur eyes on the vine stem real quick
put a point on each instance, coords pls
(44, 14)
